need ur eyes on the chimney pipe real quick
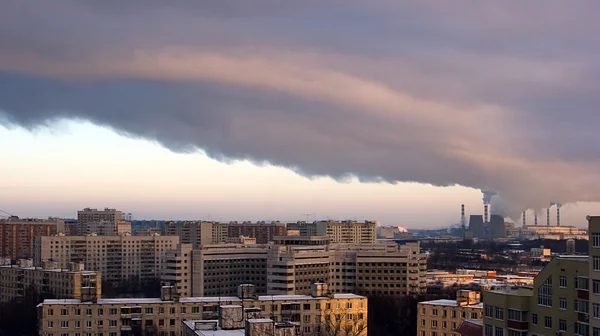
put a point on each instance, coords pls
(548, 216)
(524, 219)
(557, 215)
(485, 213)
(535, 222)
(462, 215)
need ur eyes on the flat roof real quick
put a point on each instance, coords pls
(449, 303)
(213, 299)
(219, 332)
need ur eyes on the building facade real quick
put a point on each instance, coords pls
(557, 304)
(16, 281)
(594, 272)
(17, 235)
(165, 316)
(119, 258)
(107, 222)
(443, 317)
(350, 232)
(262, 231)
(197, 233)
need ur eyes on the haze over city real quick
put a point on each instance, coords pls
(267, 111)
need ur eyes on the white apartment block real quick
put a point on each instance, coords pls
(350, 232)
(119, 258)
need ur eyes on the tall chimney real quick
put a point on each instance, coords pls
(548, 216)
(462, 215)
(535, 219)
(485, 213)
(557, 215)
(524, 219)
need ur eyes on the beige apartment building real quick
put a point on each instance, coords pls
(594, 272)
(71, 283)
(557, 304)
(351, 232)
(165, 316)
(119, 258)
(17, 235)
(215, 270)
(443, 317)
(107, 222)
(197, 233)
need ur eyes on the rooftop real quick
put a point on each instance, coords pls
(213, 299)
(219, 332)
(450, 303)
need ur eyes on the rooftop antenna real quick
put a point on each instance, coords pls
(307, 215)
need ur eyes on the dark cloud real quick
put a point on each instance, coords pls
(495, 96)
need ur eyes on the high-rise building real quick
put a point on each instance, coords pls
(351, 232)
(558, 303)
(262, 231)
(197, 233)
(119, 258)
(17, 235)
(71, 283)
(107, 222)
(312, 315)
(594, 272)
(443, 317)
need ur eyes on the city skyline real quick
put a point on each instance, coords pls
(271, 110)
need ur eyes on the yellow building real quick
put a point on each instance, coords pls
(557, 304)
(71, 283)
(312, 314)
(594, 272)
(442, 317)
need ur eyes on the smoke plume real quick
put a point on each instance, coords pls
(478, 94)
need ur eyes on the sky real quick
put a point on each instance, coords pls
(264, 110)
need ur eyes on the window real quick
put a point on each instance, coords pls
(548, 322)
(172, 310)
(88, 312)
(582, 306)
(516, 315)
(562, 325)
(112, 311)
(148, 323)
(161, 323)
(77, 312)
(112, 323)
(474, 315)
(100, 323)
(327, 306)
(434, 323)
(172, 322)
(499, 331)
(306, 306)
(489, 311)
(545, 293)
(100, 312)
(596, 332)
(434, 312)
(196, 310)
(596, 239)
(499, 313)
(596, 263)
(444, 325)
(77, 324)
(596, 310)
(88, 324)
(306, 318)
(64, 312)
(183, 310)
(64, 324)
(582, 283)
(348, 305)
(149, 311)
(563, 303)
(596, 286)
(562, 281)
(361, 316)
(534, 319)
(581, 329)
(307, 329)
(489, 330)
(50, 312)
(50, 324)
(423, 322)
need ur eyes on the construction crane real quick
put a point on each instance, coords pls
(9, 214)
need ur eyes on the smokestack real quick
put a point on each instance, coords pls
(462, 215)
(535, 219)
(524, 219)
(485, 213)
(558, 205)
(548, 216)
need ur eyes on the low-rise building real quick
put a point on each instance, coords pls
(311, 314)
(18, 281)
(443, 317)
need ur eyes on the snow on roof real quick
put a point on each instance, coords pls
(450, 303)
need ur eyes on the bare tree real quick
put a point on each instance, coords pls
(342, 322)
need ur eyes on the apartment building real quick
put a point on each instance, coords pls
(292, 269)
(262, 231)
(107, 222)
(197, 233)
(594, 272)
(557, 304)
(119, 258)
(216, 270)
(165, 316)
(72, 283)
(17, 235)
(351, 232)
(443, 317)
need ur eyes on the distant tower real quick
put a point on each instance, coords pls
(462, 216)
(487, 198)
(558, 205)
(524, 219)
(548, 216)
(535, 222)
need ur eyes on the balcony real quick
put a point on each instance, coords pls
(518, 325)
(126, 328)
